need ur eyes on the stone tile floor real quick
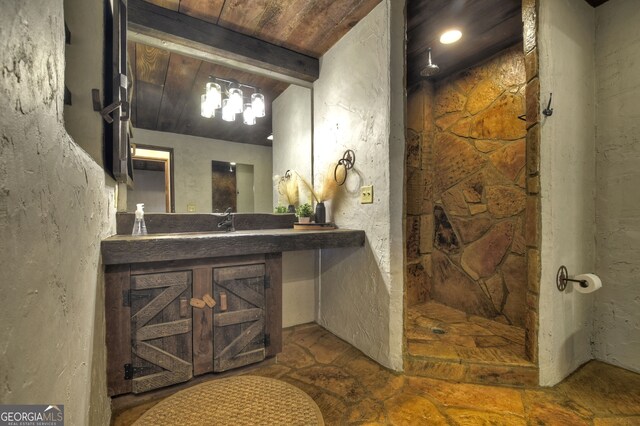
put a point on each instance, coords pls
(349, 388)
(467, 337)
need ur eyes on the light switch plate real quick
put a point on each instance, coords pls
(366, 194)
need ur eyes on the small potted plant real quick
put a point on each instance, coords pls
(280, 209)
(304, 212)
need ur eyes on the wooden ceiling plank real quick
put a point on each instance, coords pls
(280, 18)
(167, 4)
(418, 11)
(147, 97)
(151, 64)
(350, 19)
(241, 15)
(190, 118)
(503, 35)
(207, 10)
(182, 30)
(321, 18)
(180, 75)
(472, 17)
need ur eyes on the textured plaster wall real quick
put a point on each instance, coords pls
(566, 46)
(617, 305)
(465, 190)
(292, 151)
(55, 207)
(192, 166)
(359, 105)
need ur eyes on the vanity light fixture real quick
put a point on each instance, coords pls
(257, 103)
(228, 114)
(228, 95)
(270, 137)
(450, 36)
(248, 117)
(206, 109)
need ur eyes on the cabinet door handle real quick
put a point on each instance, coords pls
(223, 301)
(184, 307)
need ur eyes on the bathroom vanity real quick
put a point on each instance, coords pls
(192, 301)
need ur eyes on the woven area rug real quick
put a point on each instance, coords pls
(238, 401)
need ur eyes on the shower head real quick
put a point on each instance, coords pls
(431, 69)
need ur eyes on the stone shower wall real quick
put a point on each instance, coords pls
(466, 194)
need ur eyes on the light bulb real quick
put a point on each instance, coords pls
(257, 102)
(235, 99)
(248, 117)
(450, 36)
(214, 95)
(205, 107)
(227, 111)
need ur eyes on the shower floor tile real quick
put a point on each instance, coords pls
(437, 331)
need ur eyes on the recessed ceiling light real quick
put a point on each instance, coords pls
(450, 36)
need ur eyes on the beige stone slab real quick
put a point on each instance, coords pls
(605, 389)
(509, 332)
(547, 409)
(333, 379)
(410, 409)
(617, 421)
(486, 398)
(432, 349)
(435, 369)
(441, 312)
(464, 417)
(503, 375)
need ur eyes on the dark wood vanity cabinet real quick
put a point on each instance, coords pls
(156, 338)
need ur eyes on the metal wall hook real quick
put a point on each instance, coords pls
(548, 111)
(562, 278)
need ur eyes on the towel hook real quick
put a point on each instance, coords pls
(548, 111)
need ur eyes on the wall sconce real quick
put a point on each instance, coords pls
(234, 102)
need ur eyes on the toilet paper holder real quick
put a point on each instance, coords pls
(562, 278)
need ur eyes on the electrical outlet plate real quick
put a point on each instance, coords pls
(191, 208)
(366, 194)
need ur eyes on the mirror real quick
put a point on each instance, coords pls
(166, 117)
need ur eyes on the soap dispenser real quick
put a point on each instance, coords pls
(139, 228)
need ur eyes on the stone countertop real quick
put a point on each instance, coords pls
(122, 249)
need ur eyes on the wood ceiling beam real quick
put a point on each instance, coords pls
(183, 34)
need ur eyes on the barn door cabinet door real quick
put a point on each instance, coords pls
(161, 330)
(239, 316)
(155, 338)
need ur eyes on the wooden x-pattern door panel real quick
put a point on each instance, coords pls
(238, 324)
(161, 329)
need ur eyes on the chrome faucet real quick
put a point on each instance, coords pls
(227, 222)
